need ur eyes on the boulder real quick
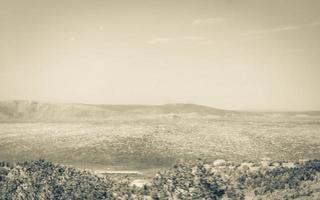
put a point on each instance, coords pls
(219, 162)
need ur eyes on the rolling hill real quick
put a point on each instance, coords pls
(43, 111)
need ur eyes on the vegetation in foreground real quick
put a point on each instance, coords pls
(186, 180)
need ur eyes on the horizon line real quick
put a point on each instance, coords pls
(163, 104)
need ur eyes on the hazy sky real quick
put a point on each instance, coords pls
(234, 54)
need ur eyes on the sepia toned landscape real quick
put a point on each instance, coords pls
(159, 100)
(137, 142)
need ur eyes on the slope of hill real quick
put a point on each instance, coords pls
(43, 111)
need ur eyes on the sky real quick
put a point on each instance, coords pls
(230, 54)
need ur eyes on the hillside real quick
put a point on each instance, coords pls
(43, 111)
(37, 111)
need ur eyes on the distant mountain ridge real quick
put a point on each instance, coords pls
(21, 110)
(38, 111)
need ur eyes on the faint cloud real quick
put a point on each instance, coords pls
(193, 38)
(101, 28)
(159, 40)
(178, 39)
(273, 30)
(283, 28)
(208, 21)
